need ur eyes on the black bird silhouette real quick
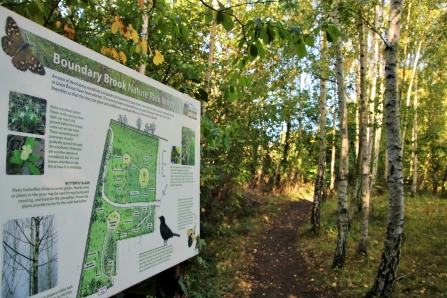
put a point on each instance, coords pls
(165, 231)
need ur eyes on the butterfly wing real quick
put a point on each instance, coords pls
(34, 65)
(14, 45)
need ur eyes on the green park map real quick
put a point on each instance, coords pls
(124, 203)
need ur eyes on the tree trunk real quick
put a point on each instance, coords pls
(206, 87)
(35, 256)
(410, 87)
(364, 140)
(414, 153)
(332, 185)
(319, 181)
(142, 68)
(379, 124)
(386, 276)
(283, 163)
(355, 199)
(340, 251)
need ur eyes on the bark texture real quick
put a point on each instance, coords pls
(414, 154)
(387, 273)
(340, 251)
(365, 154)
(319, 181)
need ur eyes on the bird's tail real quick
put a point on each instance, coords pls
(174, 234)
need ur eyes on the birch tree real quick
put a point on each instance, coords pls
(319, 180)
(340, 251)
(387, 273)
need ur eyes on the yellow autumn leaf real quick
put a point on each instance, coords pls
(123, 57)
(114, 54)
(104, 50)
(115, 26)
(134, 34)
(158, 59)
(125, 32)
(138, 47)
(58, 24)
(150, 3)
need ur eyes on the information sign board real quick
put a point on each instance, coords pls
(99, 173)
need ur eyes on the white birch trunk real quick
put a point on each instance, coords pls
(414, 184)
(379, 124)
(332, 185)
(340, 251)
(210, 60)
(142, 68)
(387, 273)
(319, 181)
(410, 87)
(364, 140)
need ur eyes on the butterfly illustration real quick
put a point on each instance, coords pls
(15, 46)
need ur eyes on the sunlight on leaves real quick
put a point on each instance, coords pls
(123, 57)
(158, 59)
(134, 34)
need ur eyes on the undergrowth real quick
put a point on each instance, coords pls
(222, 268)
(422, 269)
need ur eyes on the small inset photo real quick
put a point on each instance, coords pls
(30, 256)
(188, 146)
(25, 155)
(26, 113)
(175, 155)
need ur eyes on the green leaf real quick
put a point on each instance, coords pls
(220, 17)
(228, 23)
(30, 141)
(214, 132)
(253, 50)
(132, 49)
(242, 82)
(92, 5)
(33, 169)
(261, 51)
(38, 18)
(84, 3)
(221, 6)
(264, 35)
(301, 48)
(185, 31)
(271, 33)
(241, 43)
(33, 157)
(15, 158)
(164, 31)
(208, 16)
(332, 33)
(227, 142)
(258, 22)
(309, 40)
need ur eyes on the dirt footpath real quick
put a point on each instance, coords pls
(279, 269)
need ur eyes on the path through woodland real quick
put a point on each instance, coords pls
(279, 269)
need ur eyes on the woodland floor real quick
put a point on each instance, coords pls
(279, 268)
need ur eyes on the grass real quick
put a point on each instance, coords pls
(230, 253)
(424, 254)
(423, 266)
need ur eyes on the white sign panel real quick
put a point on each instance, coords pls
(99, 174)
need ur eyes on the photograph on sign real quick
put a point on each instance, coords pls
(101, 169)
